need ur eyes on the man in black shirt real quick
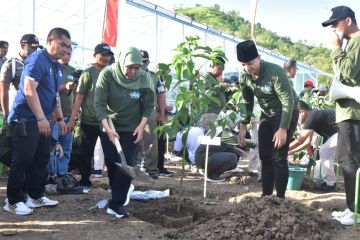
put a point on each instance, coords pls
(323, 123)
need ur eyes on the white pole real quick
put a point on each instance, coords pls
(206, 168)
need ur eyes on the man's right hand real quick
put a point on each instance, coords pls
(44, 127)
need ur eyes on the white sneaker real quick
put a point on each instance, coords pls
(340, 214)
(41, 202)
(85, 189)
(131, 189)
(18, 208)
(348, 219)
(119, 213)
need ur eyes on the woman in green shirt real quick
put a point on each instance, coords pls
(123, 90)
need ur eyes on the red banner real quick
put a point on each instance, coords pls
(111, 23)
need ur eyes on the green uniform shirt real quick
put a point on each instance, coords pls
(7, 75)
(211, 83)
(348, 63)
(273, 91)
(66, 98)
(153, 85)
(87, 83)
(128, 105)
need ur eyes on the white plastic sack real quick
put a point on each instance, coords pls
(151, 194)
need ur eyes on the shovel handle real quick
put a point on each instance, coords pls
(117, 142)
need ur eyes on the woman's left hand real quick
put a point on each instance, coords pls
(139, 131)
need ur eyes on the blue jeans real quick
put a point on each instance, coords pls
(65, 141)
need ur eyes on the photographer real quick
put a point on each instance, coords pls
(69, 81)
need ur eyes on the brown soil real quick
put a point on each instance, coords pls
(232, 210)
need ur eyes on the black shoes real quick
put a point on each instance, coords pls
(165, 173)
(153, 174)
(324, 188)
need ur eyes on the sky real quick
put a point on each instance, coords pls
(297, 19)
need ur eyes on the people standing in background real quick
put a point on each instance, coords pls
(4, 48)
(308, 87)
(66, 98)
(291, 68)
(90, 125)
(150, 143)
(11, 72)
(214, 81)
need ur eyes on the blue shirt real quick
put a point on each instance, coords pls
(48, 74)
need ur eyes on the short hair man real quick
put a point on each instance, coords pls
(4, 47)
(90, 125)
(213, 81)
(29, 119)
(11, 71)
(347, 62)
(269, 83)
(290, 67)
(323, 123)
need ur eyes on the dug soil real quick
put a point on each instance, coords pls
(232, 209)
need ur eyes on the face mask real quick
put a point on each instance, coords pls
(2, 55)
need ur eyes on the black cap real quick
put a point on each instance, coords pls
(103, 48)
(4, 44)
(31, 39)
(246, 51)
(337, 14)
(144, 55)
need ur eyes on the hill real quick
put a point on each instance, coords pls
(232, 23)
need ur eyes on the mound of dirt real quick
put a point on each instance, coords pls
(263, 218)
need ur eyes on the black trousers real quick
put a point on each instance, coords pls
(220, 162)
(275, 170)
(31, 153)
(119, 182)
(89, 135)
(161, 152)
(348, 154)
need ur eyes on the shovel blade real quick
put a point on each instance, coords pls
(124, 169)
(135, 173)
(141, 175)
